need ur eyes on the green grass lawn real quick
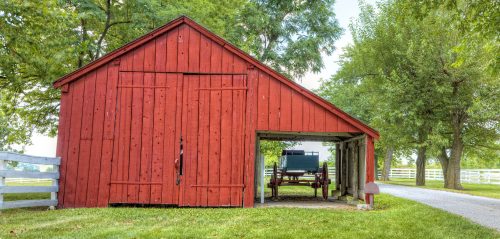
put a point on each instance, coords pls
(485, 190)
(393, 218)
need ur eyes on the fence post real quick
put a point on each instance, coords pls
(55, 182)
(2, 180)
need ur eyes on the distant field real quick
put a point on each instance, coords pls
(485, 190)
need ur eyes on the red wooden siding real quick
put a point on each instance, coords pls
(121, 123)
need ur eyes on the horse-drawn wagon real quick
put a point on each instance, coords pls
(300, 168)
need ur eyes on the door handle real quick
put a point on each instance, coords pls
(178, 164)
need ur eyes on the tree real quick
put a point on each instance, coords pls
(364, 85)
(289, 36)
(41, 41)
(443, 95)
(465, 60)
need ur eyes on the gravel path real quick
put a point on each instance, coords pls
(482, 210)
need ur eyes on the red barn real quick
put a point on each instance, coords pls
(175, 118)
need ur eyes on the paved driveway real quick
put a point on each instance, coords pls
(482, 210)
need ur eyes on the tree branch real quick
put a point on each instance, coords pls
(106, 28)
(107, 25)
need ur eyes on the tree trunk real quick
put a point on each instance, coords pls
(387, 163)
(444, 159)
(453, 170)
(421, 158)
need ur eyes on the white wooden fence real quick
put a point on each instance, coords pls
(12, 174)
(480, 176)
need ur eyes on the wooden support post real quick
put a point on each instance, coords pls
(2, 180)
(343, 180)
(355, 166)
(262, 177)
(337, 166)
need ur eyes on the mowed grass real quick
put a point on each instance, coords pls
(485, 190)
(393, 218)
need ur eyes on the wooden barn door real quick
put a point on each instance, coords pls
(149, 107)
(213, 121)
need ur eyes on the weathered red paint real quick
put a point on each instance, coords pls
(123, 117)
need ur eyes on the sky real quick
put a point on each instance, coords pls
(345, 11)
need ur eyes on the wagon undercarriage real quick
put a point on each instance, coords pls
(296, 169)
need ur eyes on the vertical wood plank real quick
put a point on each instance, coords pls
(158, 136)
(147, 139)
(183, 48)
(250, 138)
(172, 119)
(191, 162)
(263, 103)
(171, 140)
(97, 129)
(126, 61)
(239, 103)
(134, 163)
(172, 50)
(312, 116)
(297, 104)
(85, 140)
(319, 119)
(331, 124)
(286, 108)
(215, 121)
(125, 133)
(204, 122)
(274, 104)
(161, 53)
(77, 89)
(226, 129)
(342, 125)
(138, 59)
(63, 141)
(109, 148)
(149, 55)
(306, 115)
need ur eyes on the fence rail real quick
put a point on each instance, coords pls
(7, 175)
(479, 176)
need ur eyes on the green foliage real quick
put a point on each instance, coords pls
(289, 36)
(41, 41)
(409, 75)
(272, 150)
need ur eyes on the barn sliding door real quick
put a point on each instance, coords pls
(179, 139)
(147, 143)
(213, 120)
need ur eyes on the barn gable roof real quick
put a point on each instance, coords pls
(226, 45)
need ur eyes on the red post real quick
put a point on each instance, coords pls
(370, 164)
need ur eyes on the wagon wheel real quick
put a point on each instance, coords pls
(325, 181)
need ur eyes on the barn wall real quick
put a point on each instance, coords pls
(87, 119)
(87, 138)
(281, 108)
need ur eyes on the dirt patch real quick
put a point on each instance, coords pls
(306, 202)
